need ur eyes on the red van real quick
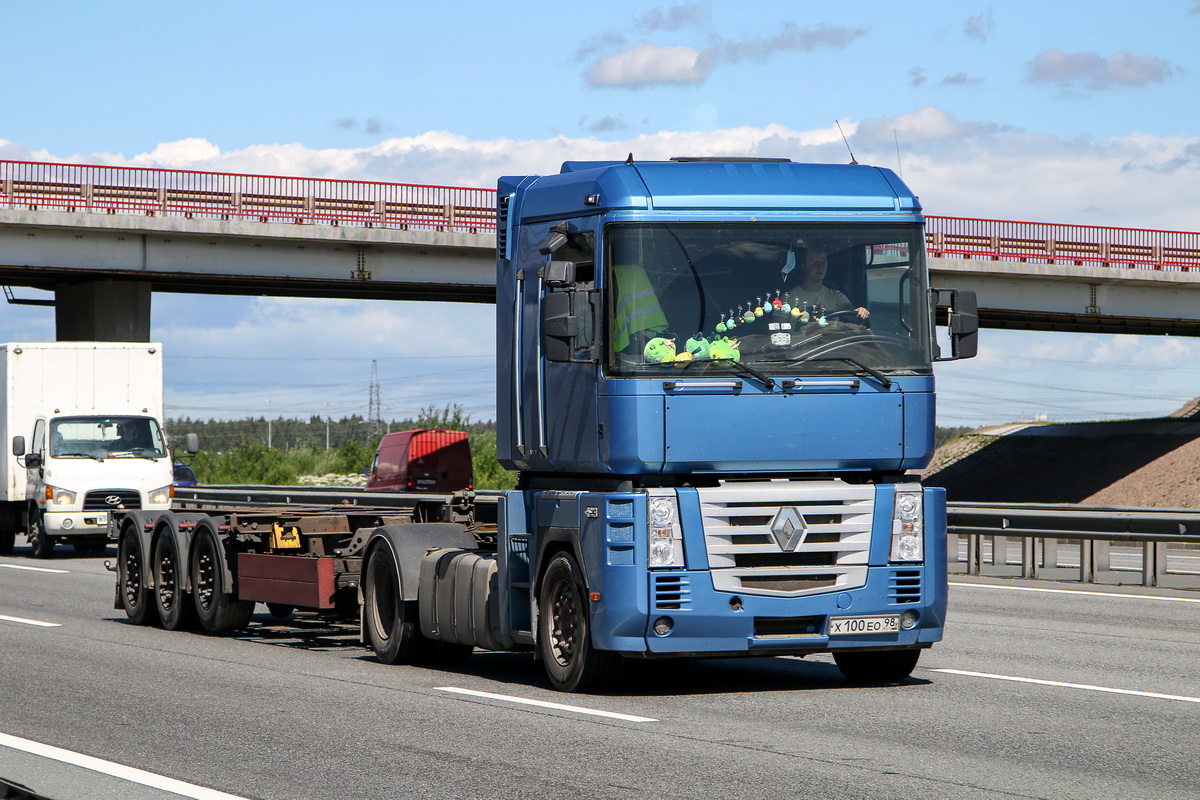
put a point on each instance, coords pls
(422, 461)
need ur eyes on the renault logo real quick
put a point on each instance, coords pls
(788, 528)
(113, 500)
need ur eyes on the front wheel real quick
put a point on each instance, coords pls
(39, 540)
(216, 608)
(877, 666)
(564, 632)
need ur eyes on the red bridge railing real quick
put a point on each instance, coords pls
(265, 198)
(1049, 243)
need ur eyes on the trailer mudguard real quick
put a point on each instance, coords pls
(410, 542)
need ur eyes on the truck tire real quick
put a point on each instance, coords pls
(390, 626)
(216, 608)
(42, 544)
(564, 632)
(175, 606)
(135, 597)
(877, 666)
(7, 540)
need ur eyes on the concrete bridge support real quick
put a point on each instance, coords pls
(102, 311)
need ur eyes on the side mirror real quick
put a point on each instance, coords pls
(18, 446)
(962, 323)
(559, 325)
(559, 274)
(33, 461)
(193, 444)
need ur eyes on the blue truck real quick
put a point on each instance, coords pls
(715, 381)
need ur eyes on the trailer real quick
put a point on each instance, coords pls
(715, 381)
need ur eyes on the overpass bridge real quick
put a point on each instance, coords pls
(108, 237)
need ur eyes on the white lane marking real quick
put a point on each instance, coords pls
(1088, 687)
(1078, 591)
(34, 569)
(543, 704)
(24, 621)
(131, 774)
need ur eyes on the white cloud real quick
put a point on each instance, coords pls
(645, 64)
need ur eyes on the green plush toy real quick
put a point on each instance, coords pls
(698, 347)
(725, 348)
(659, 350)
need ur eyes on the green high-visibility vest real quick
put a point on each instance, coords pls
(637, 306)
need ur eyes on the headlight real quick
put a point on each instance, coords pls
(59, 497)
(908, 524)
(162, 497)
(665, 538)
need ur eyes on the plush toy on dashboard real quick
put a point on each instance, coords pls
(659, 350)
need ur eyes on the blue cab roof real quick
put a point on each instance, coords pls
(713, 185)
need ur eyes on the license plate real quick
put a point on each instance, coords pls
(856, 626)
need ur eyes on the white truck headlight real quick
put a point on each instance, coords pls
(664, 535)
(56, 496)
(161, 496)
(908, 524)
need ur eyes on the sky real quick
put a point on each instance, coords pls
(1067, 112)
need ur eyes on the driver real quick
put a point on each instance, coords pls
(813, 291)
(129, 437)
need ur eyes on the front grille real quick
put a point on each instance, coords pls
(98, 500)
(787, 627)
(787, 538)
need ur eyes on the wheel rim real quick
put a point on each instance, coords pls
(205, 576)
(166, 581)
(133, 577)
(383, 602)
(564, 623)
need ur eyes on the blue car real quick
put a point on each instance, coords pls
(184, 476)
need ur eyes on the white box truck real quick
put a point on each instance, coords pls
(85, 423)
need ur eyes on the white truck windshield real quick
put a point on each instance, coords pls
(106, 437)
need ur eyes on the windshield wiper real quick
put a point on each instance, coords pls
(77, 455)
(738, 366)
(874, 373)
(746, 369)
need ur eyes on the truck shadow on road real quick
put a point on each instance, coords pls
(641, 678)
(676, 677)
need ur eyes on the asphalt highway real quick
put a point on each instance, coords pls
(1040, 690)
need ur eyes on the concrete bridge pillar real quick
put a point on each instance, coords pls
(102, 311)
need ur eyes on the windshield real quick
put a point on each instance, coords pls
(106, 437)
(780, 298)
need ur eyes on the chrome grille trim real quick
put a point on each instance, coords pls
(745, 556)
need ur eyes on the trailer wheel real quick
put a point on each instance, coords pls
(174, 605)
(217, 609)
(7, 540)
(135, 597)
(564, 632)
(877, 666)
(390, 630)
(42, 544)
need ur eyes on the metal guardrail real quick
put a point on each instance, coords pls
(1090, 544)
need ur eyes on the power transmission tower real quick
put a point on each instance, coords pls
(374, 407)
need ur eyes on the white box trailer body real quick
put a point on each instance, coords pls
(68, 402)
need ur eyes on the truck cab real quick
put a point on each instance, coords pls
(716, 381)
